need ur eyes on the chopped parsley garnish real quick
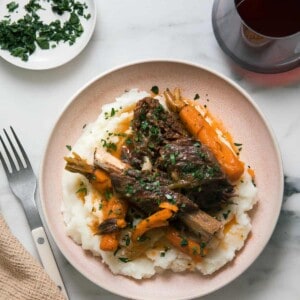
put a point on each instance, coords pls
(117, 134)
(155, 90)
(108, 194)
(184, 242)
(196, 97)
(195, 250)
(126, 240)
(170, 199)
(159, 112)
(225, 215)
(23, 36)
(144, 125)
(129, 190)
(60, 6)
(33, 6)
(143, 238)
(111, 113)
(202, 246)
(110, 147)
(82, 190)
(173, 158)
(69, 147)
(128, 141)
(87, 17)
(116, 251)
(12, 6)
(124, 259)
(43, 42)
(154, 130)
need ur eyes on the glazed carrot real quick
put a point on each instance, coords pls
(200, 128)
(158, 219)
(185, 245)
(100, 180)
(112, 207)
(109, 241)
(169, 206)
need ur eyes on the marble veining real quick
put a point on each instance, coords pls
(291, 186)
(134, 30)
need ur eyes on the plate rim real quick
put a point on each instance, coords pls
(20, 64)
(191, 64)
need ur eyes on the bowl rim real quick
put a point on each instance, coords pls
(172, 61)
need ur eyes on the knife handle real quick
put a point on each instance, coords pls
(47, 258)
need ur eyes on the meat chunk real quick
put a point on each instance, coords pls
(150, 113)
(152, 127)
(147, 196)
(194, 170)
(159, 136)
(188, 161)
(146, 192)
(201, 224)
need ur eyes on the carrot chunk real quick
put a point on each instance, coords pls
(158, 219)
(186, 245)
(109, 242)
(200, 128)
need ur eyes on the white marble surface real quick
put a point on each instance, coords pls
(132, 30)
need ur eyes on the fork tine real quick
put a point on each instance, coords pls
(14, 150)
(4, 164)
(12, 164)
(21, 148)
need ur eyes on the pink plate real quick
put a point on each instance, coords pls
(227, 102)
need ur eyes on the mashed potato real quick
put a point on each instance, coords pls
(80, 214)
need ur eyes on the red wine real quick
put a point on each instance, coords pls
(273, 18)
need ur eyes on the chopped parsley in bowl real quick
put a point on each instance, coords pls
(21, 36)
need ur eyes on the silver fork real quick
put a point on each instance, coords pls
(22, 182)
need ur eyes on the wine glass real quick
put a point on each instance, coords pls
(260, 35)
